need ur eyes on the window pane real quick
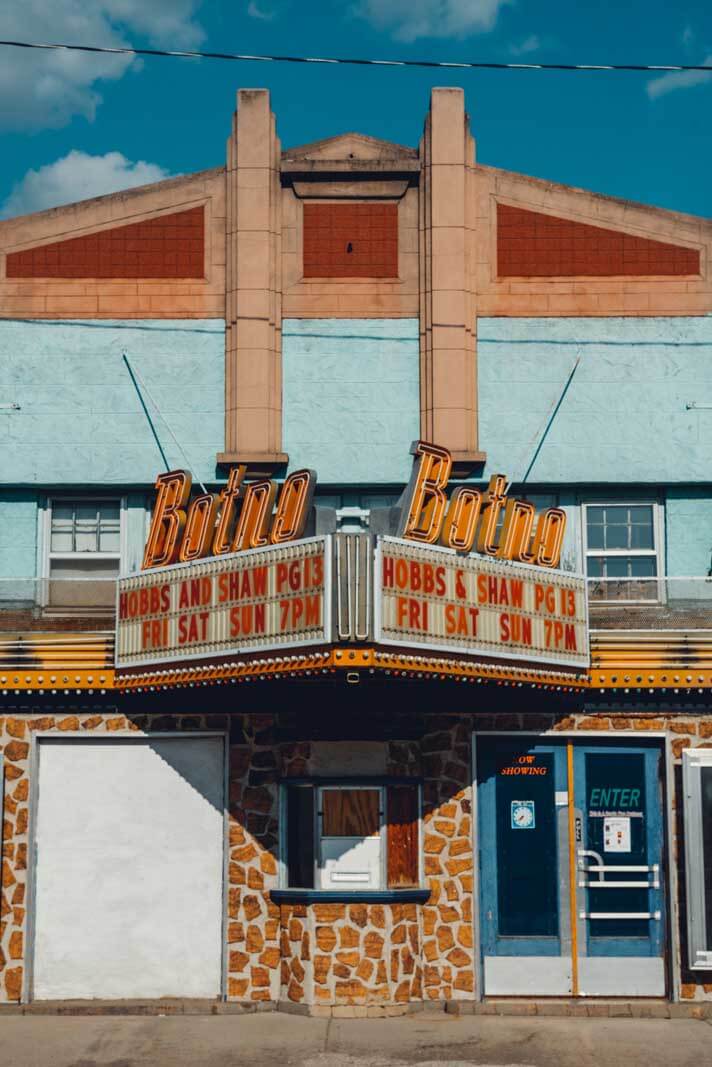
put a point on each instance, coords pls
(594, 516)
(300, 837)
(642, 514)
(616, 515)
(617, 537)
(402, 815)
(109, 540)
(62, 531)
(616, 567)
(615, 786)
(641, 537)
(61, 540)
(595, 536)
(595, 567)
(62, 514)
(86, 528)
(350, 812)
(643, 567)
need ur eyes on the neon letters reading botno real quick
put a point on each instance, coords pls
(243, 516)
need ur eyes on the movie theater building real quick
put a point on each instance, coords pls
(355, 610)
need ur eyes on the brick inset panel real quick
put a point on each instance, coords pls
(533, 245)
(171, 246)
(350, 240)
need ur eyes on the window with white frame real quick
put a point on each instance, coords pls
(351, 836)
(697, 788)
(622, 544)
(83, 557)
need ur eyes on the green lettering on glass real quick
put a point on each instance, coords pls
(614, 798)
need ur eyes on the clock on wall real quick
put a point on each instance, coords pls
(523, 817)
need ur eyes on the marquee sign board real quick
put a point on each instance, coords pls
(432, 598)
(276, 597)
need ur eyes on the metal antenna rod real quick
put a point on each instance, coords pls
(550, 418)
(137, 376)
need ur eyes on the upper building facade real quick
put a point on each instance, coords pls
(323, 307)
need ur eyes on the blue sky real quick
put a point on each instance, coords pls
(75, 125)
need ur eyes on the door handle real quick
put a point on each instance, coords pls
(620, 915)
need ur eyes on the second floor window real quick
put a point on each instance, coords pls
(84, 552)
(622, 549)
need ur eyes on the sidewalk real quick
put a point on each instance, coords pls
(279, 1040)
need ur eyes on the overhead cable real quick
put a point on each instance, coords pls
(352, 61)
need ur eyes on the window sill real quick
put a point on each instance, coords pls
(350, 896)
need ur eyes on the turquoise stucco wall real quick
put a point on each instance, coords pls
(351, 397)
(80, 420)
(18, 543)
(351, 410)
(623, 418)
(688, 530)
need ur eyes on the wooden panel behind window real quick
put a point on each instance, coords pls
(351, 240)
(350, 812)
(402, 816)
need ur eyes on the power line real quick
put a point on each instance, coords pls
(350, 61)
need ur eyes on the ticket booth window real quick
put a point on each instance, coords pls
(351, 836)
(697, 786)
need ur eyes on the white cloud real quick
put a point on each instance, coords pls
(78, 176)
(256, 12)
(45, 88)
(525, 47)
(408, 20)
(678, 79)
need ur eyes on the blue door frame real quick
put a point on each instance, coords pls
(556, 817)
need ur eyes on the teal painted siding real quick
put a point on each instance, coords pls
(688, 531)
(351, 397)
(18, 543)
(80, 420)
(624, 418)
(351, 410)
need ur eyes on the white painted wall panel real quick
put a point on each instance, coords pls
(129, 868)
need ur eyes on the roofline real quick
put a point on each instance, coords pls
(545, 183)
(400, 150)
(123, 194)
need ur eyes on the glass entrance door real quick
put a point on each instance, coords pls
(571, 887)
(523, 846)
(619, 892)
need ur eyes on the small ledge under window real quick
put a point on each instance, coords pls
(327, 896)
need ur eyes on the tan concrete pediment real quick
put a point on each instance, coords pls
(345, 146)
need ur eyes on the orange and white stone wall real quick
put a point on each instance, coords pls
(315, 957)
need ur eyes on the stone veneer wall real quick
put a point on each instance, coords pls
(324, 956)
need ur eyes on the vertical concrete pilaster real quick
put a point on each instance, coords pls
(253, 351)
(447, 280)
